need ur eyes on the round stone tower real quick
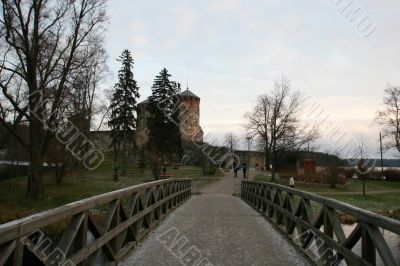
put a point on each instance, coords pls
(190, 116)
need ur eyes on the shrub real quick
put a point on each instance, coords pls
(209, 168)
(349, 172)
(392, 174)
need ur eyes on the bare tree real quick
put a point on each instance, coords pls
(275, 122)
(42, 43)
(84, 84)
(363, 161)
(81, 104)
(389, 117)
(104, 111)
(231, 142)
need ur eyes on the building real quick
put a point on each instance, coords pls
(253, 159)
(189, 116)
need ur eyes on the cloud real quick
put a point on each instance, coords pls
(183, 19)
(138, 26)
(224, 5)
(139, 41)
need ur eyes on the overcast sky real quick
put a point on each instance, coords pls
(237, 48)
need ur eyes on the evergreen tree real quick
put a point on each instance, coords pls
(163, 122)
(123, 106)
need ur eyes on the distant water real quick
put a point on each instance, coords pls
(24, 163)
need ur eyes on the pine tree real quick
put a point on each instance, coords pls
(163, 122)
(123, 106)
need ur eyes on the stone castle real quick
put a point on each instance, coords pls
(189, 116)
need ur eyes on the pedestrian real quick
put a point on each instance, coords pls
(115, 174)
(164, 170)
(244, 168)
(291, 182)
(235, 170)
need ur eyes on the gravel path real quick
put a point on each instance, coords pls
(215, 228)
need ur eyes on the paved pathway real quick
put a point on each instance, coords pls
(215, 228)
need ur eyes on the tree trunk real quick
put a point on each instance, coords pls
(363, 184)
(273, 161)
(267, 161)
(35, 177)
(124, 159)
(59, 172)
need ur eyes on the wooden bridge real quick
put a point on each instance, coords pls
(268, 225)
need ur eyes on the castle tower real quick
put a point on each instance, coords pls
(190, 116)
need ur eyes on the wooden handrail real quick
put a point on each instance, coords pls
(125, 215)
(321, 237)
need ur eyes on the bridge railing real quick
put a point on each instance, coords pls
(98, 230)
(313, 224)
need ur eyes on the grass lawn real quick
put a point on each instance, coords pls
(387, 201)
(375, 203)
(78, 185)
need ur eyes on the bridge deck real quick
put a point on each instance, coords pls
(215, 228)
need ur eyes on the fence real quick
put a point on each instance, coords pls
(98, 230)
(321, 237)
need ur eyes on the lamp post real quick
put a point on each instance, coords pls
(248, 155)
(380, 141)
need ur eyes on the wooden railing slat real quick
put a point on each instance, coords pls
(381, 245)
(335, 246)
(6, 251)
(70, 233)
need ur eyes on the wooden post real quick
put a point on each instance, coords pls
(367, 247)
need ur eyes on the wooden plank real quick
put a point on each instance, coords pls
(81, 238)
(381, 245)
(325, 250)
(18, 259)
(354, 237)
(6, 250)
(126, 250)
(290, 225)
(132, 204)
(130, 233)
(97, 233)
(367, 246)
(278, 202)
(70, 232)
(41, 255)
(336, 225)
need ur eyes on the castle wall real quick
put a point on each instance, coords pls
(101, 140)
(141, 128)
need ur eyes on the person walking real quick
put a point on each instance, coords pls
(244, 168)
(291, 182)
(164, 169)
(235, 170)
